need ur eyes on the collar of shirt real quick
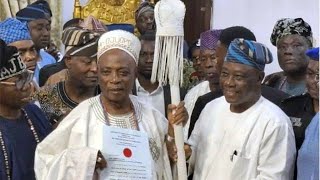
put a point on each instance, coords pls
(155, 98)
(46, 58)
(140, 89)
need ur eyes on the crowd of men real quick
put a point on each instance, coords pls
(238, 123)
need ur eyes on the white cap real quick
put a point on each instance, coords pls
(119, 39)
(168, 54)
(169, 17)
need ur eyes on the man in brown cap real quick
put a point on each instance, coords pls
(81, 82)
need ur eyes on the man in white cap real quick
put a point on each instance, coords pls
(75, 150)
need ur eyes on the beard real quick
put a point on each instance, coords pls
(146, 75)
(296, 72)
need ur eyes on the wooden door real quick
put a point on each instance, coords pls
(198, 18)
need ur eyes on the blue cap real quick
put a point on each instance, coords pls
(313, 53)
(249, 53)
(12, 30)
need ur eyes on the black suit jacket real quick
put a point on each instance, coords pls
(301, 111)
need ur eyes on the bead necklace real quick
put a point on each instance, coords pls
(132, 118)
(3, 147)
(5, 155)
(122, 121)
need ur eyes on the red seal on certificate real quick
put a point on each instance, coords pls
(127, 152)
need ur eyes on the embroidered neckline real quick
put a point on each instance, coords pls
(65, 98)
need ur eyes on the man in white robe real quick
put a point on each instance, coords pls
(242, 135)
(190, 100)
(208, 64)
(72, 150)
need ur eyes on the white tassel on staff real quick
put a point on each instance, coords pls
(168, 69)
(168, 63)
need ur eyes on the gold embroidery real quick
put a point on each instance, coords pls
(112, 11)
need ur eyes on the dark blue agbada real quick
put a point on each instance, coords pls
(20, 143)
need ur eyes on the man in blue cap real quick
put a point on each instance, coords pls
(242, 135)
(303, 112)
(15, 33)
(38, 16)
(225, 39)
(302, 108)
(308, 155)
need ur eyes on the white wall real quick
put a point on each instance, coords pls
(67, 9)
(67, 12)
(257, 15)
(261, 15)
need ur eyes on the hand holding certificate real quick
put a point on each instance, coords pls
(101, 162)
(127, 154)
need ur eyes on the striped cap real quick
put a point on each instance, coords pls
(249, 53)
(37, 10)
(80, 42)
(144, 7)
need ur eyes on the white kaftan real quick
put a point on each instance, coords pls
(256, 144)
(190, 100)
(70, 151)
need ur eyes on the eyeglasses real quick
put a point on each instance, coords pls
(313, 75)
(24, 79)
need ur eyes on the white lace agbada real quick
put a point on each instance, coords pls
(70, 151)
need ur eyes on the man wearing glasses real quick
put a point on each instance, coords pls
(308, 155)
(22, 124)
(301, 109)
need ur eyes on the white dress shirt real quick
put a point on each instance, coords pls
(155, 98)
(253, 145)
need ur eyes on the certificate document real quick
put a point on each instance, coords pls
(127, 154)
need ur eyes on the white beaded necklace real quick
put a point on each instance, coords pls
(3, 147)
(123, 121)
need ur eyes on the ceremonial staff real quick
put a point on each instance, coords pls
(168, 62)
